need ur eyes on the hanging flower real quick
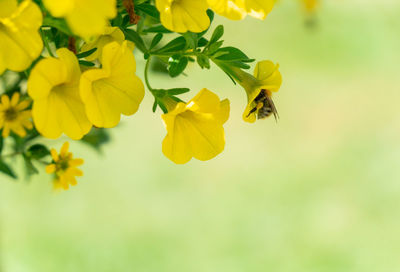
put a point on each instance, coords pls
(57, 107)
(184, 15)
(195, 129)
(259, 88)
(64, 168)
(238, 9)
(14, 116)
(85, 18)
(20, 42)
(310, 5)
(113, 89)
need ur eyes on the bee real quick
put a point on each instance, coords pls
(265, 107)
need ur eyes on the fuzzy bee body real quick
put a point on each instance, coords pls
(265, 107)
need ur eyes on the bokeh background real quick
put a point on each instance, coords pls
(317, 191)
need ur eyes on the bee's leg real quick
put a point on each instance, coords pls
(259, 106)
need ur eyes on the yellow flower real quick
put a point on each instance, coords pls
(20, 42)
(110, 34)
(238, 9)
(310, 5)
(184, 15)
(64, 168)
(57, 107)
(195, 129)
(113, 89)
(13, 116)
(259, 88)
(86, 18)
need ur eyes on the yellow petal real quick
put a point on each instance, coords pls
(224, 111)
(6, 130)
(7, 7)
(184, 15)
(14, 99)
(269, 74)
(205, 101)
(232, 9)
(54, 155)
(59, 8)
(64, 149)
(259, 8)
(20, 39)
(51, 168)
(5, 101)
(90, 17)
(114, 89)
(75, 162)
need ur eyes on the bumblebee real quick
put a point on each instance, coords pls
(265, 107)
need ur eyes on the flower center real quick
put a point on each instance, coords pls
(11, 114)
(62, 164)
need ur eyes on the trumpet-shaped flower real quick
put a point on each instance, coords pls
(64, 168)
(259, 88)
(113, 89)
(20, 42)
(195, 129)
(57, 107)
(86, 18)
(184, 15)
(14, 116)
(110, 34)
(238, 9)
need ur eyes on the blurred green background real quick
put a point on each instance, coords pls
(317, 191)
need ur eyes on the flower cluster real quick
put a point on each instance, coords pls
(68, 68)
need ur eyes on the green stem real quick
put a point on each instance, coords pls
(146, 75)
(46, 42)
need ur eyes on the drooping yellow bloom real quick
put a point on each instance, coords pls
(86, 18)
(238, 9)
(64, 168)
(310, 5)
(113, 89)
(57, 107)
(259, 88)
(20, 42)
(110, 34)
(195, 129)
(184, 15)
(14, 116)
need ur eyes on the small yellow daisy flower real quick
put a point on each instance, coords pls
(13, 116)
(64, 168)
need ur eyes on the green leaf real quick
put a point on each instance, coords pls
(5, 169)
(86, 54)
(38, 151)
(214, 47)
(157, 29)
(175, 45)
(177, 65)
(191, 39)
(96, 138)
(59, 24)
(157, 38)
(231, 54)
(1, 144)
(29, 167)
(134, 37)
(86, 63)
(149, 10)
(202, 42)
(177, 91)
(217, 34)
(203, 61)
(155, 105)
